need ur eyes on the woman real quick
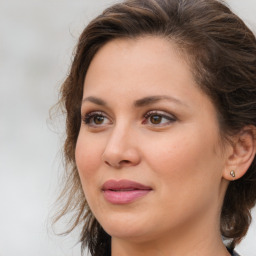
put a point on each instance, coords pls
(161, 129)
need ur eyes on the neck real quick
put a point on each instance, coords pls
(166, 247)
(189, 240)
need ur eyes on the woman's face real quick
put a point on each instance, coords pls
(148, 151)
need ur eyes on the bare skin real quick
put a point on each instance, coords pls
(145, 120)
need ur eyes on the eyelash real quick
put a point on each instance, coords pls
(170, 118)
(88, 118)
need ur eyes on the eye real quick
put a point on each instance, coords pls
(95, 119)
(158, 118)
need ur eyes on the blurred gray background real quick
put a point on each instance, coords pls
(37, 38)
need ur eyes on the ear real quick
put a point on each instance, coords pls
(242, 153)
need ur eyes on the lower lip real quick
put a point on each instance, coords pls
(124, 197)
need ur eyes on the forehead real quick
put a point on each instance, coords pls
(137, 63)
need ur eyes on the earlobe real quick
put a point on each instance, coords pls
(243, 154)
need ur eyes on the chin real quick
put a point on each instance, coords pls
(127, 227)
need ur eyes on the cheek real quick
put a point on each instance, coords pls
(87, 157)
(185, 157)
(187, 176)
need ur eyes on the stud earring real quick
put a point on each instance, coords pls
(233, 174)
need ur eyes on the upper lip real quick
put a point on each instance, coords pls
(117, 185)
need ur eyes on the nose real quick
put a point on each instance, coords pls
(121, 149)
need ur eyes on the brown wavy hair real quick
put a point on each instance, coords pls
(221, 51)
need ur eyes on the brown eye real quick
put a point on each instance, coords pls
(155, 119)
(98, 119)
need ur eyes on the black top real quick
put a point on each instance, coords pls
(232, 252)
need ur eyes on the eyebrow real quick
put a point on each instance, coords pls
(138, 103)
(154, 99)
(95, 100)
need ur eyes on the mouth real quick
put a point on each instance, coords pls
(124, 191)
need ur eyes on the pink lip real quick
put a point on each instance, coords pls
(123, 191)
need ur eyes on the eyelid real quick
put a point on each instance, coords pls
(159, 112)
(89, 115)
(170, 117)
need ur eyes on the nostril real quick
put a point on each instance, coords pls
(119, 164)
(107, 163)
(125, 163)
